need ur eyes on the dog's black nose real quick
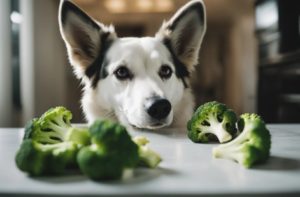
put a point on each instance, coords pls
(158, 108)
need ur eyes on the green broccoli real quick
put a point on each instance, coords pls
(46, 159)
(247, 117)
(212, 118)
(251, 146)
(112, 155)
(54, 127)
(146, 155)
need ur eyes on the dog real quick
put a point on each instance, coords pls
(142, 83)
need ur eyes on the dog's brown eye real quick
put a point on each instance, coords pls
(122, 73)
(165, 72)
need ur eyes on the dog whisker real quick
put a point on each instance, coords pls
(110, 115)
(105, 115)
(178, 116)
(175, 118)
(121, 110)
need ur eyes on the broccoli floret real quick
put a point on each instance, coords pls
(251, 146)
(241, 122)
(146, 155)
(112, 154)
(46, 159)
(212, 118)
(54, 127)
(33, 131)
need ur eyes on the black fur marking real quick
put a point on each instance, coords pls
(97, 68)
(181, 69)
(104, 73)
(68, 6)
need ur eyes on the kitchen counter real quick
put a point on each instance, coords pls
(188, 169)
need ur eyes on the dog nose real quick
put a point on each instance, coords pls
(158, 108)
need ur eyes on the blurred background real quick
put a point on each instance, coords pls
(250, 56)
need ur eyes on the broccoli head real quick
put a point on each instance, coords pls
(251, 146)
(247, 117)
(54, 127)
(212, 118)
(146, 155)
(45, 159)
(112, 154)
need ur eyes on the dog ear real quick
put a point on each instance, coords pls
(184, 32)
(85, 38)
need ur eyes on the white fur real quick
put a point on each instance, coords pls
(124, 101)
(126, 98)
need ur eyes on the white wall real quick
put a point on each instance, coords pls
(249, 65)
(241, 66)
(5, 65)
(50, 57)
(43, 59)
(27, 65)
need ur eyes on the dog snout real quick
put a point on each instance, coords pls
(158, 108)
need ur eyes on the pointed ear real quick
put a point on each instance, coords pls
(184, 32)
(86, 40)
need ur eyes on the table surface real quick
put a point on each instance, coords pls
(187, 169)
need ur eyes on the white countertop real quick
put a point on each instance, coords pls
(187, 169)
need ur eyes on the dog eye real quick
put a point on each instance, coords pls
(122, 73)
(165, 72)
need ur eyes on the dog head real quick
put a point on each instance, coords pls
(138, 80)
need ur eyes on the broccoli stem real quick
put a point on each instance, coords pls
(127, 173)
(232, 150)
(95, 147)
(240, 139)
(252, 145)
(48, 147)
(233, 153)
(45, 137)
(140, 141)
(215, 128)
(146, 155)
(60, 149)
(237, 154)
(59, 129)
(149, 157)
(60, 120)
(78, 136)
(227, 153)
